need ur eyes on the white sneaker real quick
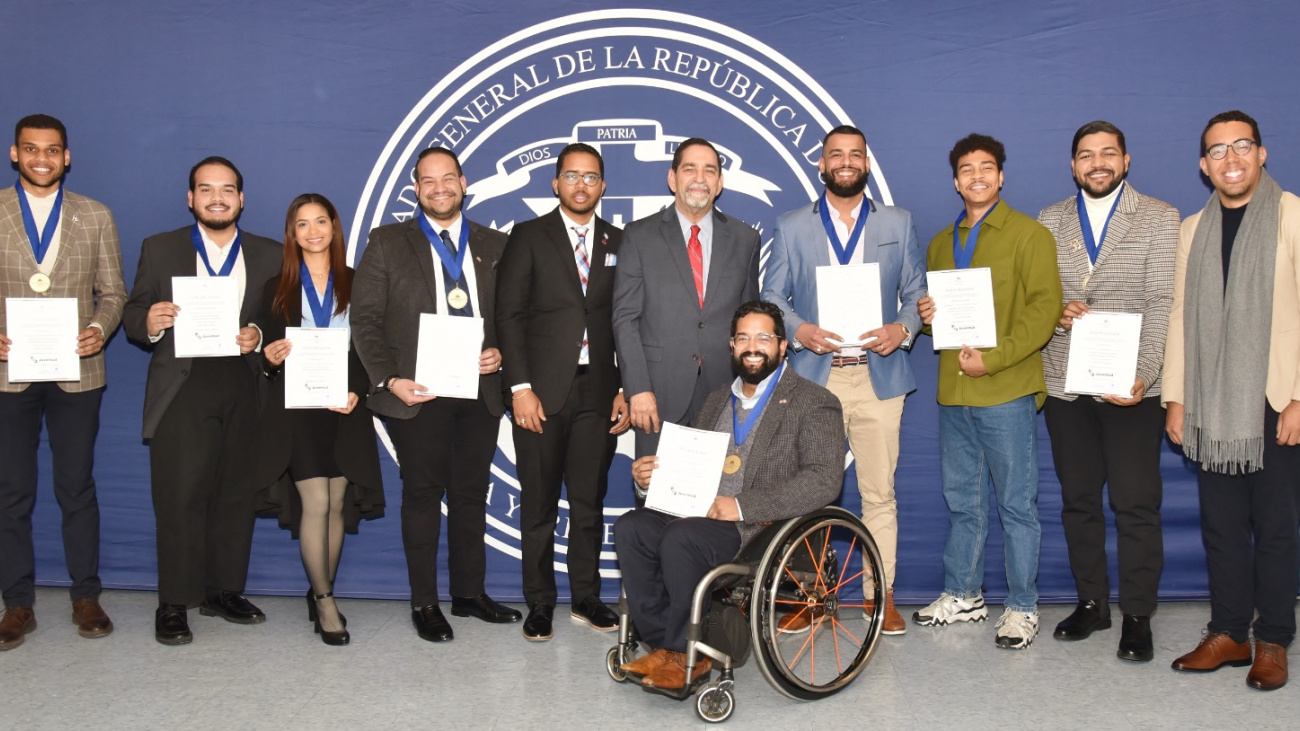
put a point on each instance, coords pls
(948, 609)
(1017, 630)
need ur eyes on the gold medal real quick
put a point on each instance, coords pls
(732, 465)
(40, 283)
(457, 298)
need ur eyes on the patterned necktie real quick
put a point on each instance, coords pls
(448, 284)
(584, 270)
(696, 252)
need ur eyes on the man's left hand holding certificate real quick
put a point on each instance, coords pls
(41, 334)
(689, 470)
(206, 320)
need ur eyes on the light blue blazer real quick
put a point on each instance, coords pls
(790, 282)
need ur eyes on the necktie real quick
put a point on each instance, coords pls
(584, 270)
(696, 252)
(450, 284)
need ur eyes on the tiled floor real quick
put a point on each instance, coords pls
(279, 675)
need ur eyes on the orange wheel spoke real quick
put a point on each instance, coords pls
(852, 543)
(835, 635)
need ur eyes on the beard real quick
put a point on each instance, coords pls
(1115, 181)
(846, 190)
(217, 224)
(756, 376)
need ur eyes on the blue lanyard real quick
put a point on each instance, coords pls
(740, 432)
(962, 255)
(453, 266)
(1094, 244)
(40, 241)
(197, 239)
(842, 252)
(320, 310)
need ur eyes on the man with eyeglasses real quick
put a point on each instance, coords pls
(1115, 252)
(555, 286)
(846, 228)
(681, 273)
(785, 458)
(1232, 398)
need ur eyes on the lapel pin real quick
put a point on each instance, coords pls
(782, 401)
(74, 218)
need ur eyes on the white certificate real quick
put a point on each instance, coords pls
(446, 361)
(848, 301)
(208, 322)
(1103, 353)
(689, 472)
(963, 308)
(44, 334)
(316, 371)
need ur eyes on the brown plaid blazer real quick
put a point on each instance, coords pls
(1134, 273)
(88, 267)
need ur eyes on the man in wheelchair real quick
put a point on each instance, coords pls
(786, 459)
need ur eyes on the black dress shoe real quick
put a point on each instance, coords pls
(430, 624)
(594, 612)
(232, 607)
(537, 628)
(1087, 618)
(170, 625)
(1135, 643)
(485, 608)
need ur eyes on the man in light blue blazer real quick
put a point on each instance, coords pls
(844, 227)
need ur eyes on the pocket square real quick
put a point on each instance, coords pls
(611, 260)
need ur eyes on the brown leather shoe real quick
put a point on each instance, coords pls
(801, 619)
(646, 664)
(91, 619)
(17, 623)
(672, 674)
(1269, 670)
(894, 624)
(1216, 650)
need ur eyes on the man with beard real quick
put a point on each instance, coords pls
(681, 273)
(786, 459)
(1232, 394)
(436, 262)
(200, 414)
(554, 292)
(1115, 252)
(845, 228)
(43, 226)
(989, 398)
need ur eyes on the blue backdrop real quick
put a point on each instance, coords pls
(337, 97)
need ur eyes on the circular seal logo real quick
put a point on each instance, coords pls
(633, 84)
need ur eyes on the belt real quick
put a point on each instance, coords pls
(839, 362)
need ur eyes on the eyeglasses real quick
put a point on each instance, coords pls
(1242, 147)
(572, 178)
(743, 339)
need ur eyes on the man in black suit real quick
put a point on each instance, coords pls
(682, 273)
(436, 262)
(554, 293)
(200, 414)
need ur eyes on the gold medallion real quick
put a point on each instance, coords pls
(457, 298)
(732, 465)
(40, 283)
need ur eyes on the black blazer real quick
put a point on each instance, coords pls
(355, 450)
(170, 255)
(541, 310)
(394, 285)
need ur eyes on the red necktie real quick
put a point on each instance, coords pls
(696, 253)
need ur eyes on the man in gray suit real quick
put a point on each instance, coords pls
(786, 459)
(681, 273)
(846, 228)
(53, 243)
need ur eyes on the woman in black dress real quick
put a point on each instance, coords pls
(320, 466)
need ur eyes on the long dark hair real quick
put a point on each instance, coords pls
(288, 296)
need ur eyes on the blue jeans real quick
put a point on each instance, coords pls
(979, 443)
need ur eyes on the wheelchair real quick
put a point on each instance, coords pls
(808, 568)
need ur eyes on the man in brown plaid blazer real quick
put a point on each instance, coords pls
(53, 244)
(1115, 252)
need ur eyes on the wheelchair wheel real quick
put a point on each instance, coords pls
(614, 664)
(714, 702)
(807, 618)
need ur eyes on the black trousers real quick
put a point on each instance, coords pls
(662, 559)
(1252, 550)
(445, 449)
(72, 423)
(1096, 444)
(575, 448)
(200, 463)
